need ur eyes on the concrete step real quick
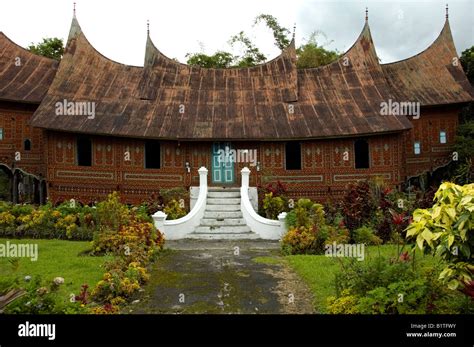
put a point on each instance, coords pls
(222, 229)
(223, 189)
(210, 208)
(222, 214)
(210, 222)
(215, 236)
(223, 201)
(223, 194)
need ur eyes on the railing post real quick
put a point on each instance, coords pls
(159, 218)
(202, 177)
(282, 220)
(245, 177)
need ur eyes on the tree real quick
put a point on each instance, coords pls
(310, 54)
(467, 62)
(463, 168)
(252, 55)
(50, 47)
(219, 59)
(446, 229)
(280, 34)
(313, 55)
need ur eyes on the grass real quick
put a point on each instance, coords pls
(56, 258)
(318, 271)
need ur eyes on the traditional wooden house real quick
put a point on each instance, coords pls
(24, 81)
(106, 126)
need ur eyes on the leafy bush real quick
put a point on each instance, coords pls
(344, 304)
(358, 205)
(177, 194)
(273, 205)
(446, 230)
(305, 213)
(41, 298)
(383, 286)
(174, 210)
(69, 220)
(134, 242)
(338, 234)
(299, 240)
(366, 236)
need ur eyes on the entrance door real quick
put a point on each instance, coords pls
(222, 163)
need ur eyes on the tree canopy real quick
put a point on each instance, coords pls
(50, 47)
(309, 54)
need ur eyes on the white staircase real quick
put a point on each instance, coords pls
(223, 217)
(221, 214)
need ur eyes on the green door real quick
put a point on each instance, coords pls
(222, 163)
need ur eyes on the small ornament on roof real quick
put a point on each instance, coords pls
(447, 11)
(366, 14)
(74, 8)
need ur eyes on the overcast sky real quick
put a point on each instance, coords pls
(117, 28)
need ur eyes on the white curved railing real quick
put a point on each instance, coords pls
(179, 228)
(266, 228)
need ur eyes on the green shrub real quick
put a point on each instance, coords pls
(344, 304)
(273, 205)
(299, 240)
(177, 194)
(446, 230)
(366, 236)
(305, 213)
(174, 210)
(383, 286)
(338, 234)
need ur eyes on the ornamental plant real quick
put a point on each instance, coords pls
(273, 205)
(174, 210)
(447, 230)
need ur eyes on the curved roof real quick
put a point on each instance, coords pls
(169, 100)
(432, 77)
(343, 98)
(25, 76)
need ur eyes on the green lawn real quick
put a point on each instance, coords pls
(318, 271)
(56, 258)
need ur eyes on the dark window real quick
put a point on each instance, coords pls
(361, 149)
(152, 155)
(293, 155)
(84, 151)
(27, 145)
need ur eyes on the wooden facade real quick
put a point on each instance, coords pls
(329, 116)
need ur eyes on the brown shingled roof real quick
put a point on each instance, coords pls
(26, 79)
(339, 99)
(430, 77)
(343, 98)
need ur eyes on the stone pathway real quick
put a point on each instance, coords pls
(220, 277)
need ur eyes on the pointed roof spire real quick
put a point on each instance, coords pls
(294, 30)
(447, 11)
(148, 27)
(366, 14)
(74, 9)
